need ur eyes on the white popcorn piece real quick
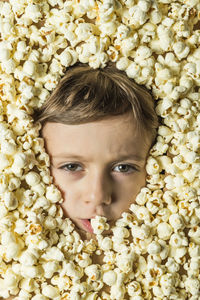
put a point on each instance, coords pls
(20, 226)
(10, 201)
(140, 232)
(11, 280)
(93, 272)
(99, 224)
(30, 271)
(39, 189)
(152, 166)
(124, 261)
(106, 243)
(110, 278)
(32, 12)
(50, 223)
(32, 178)
(134, 289)
(65, 58)
(117, 292)
(83, 260)
(3, 210)
(27, 258)
(8, 147)
(164, 230)
(175, 240)
(27, 284)
(154, 248)
(181, 50)
(50, 291)
(4, 162)
(4, 52)
(72, 270)
(176, 221)
(29, 68)
(120, 233)
(192, 286)
(53, 194)
(142, 213)
(13, 250)
(50, 268)
(133, 70)
(53, 253)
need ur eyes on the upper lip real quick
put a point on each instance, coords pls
(108, 220)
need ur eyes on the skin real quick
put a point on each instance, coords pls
(99, 167)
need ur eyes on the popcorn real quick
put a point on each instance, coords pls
(99, 224)
(20, 226)
(124, 261)
(154, 248)
(133, 70)
(181, 50)
(32, 178)
(117, 292)
(27, 258)
(4, 53)
(50, 268)
(10, 201)
(192, 286)
(4, 162)
(176, 221)
(83, 260)
(53, 194)
(152, 166)
(13, 250)
(65, 58)
(142, 213)
(50, 291)
(110, 277)
(164, 230)
(72, 270)
(41, 254)
(93, 272)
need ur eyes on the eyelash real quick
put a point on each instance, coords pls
(65, 167)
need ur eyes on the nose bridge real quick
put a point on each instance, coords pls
(100, 188)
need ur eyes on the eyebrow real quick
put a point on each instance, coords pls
(121, 157)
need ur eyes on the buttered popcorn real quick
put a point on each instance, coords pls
(152, 251)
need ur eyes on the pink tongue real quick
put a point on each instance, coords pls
(88, 225)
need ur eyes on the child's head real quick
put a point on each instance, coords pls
(98, 127)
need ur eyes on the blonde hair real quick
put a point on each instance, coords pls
(85, 94)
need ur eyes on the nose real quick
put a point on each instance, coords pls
(99, 190)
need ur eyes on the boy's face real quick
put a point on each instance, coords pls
(99, 166)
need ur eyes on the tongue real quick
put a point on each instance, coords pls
(87, 224)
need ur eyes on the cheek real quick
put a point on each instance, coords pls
(68, 190)
(137, 183)
(58, 179)
(127, 193)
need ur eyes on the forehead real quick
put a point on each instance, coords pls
(115, 134)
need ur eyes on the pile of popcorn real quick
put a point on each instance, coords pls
(154, 250)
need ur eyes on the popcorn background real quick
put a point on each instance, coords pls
(154, 251)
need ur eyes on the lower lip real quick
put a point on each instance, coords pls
(87, 225)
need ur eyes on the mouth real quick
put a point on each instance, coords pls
(86, 223)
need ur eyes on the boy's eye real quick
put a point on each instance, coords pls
(123, 168)
(70, 167)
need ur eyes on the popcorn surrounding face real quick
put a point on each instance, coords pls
(153, 250)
